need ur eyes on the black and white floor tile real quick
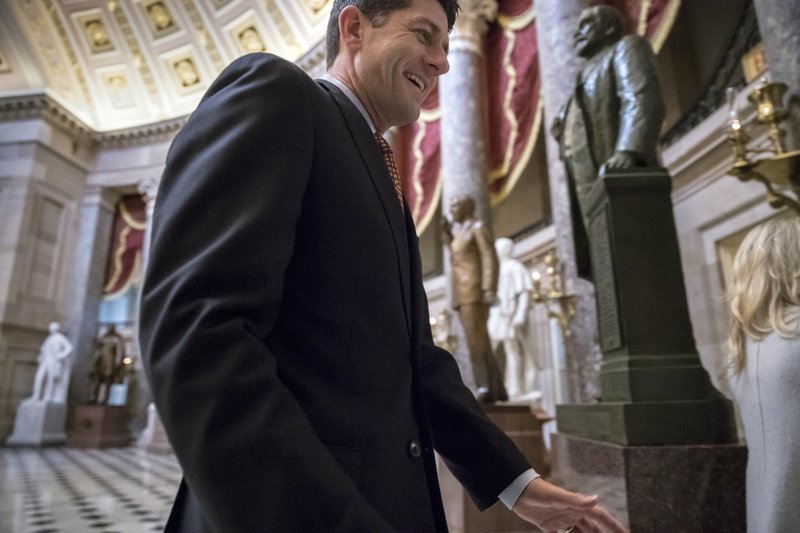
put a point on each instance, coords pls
(67, 490)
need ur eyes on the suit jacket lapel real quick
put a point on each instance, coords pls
(373, 159)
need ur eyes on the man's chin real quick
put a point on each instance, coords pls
(408, 118)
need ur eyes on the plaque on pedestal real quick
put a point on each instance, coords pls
(39, 423)
(524, 425)
(654, 389)
(99, 426)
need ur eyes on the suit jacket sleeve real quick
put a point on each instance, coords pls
(483, 458)
(641, 103)
(222, 239)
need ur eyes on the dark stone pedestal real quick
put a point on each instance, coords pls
(654, 388)
(524, 426)
(99, 426)
(658, 489)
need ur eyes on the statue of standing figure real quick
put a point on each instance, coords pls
(508, 318)
(52, 375)
(474, 274)
(108, 358)
(613, 119)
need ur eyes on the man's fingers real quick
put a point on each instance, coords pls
(606, 520)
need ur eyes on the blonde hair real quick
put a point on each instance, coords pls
(765, 290)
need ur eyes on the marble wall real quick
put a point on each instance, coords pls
(712, 212)
(44, 168)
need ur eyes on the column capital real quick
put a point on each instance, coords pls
(472, 24)
(148, 187)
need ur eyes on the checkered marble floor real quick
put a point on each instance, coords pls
(119, 490)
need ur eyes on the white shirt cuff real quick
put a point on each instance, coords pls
(510, 495)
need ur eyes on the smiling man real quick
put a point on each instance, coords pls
(284, 325)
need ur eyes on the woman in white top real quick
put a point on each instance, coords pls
(765, 362)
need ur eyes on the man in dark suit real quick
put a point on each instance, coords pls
(613, 119)
(283, 323)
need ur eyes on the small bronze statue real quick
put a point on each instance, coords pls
(474, 274)
(107, 360)
(613, 119)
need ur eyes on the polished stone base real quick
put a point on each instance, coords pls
(524, 426)
(39, 423)
(656, 489)
(99, 426)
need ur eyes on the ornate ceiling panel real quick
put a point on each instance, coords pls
(122, 63)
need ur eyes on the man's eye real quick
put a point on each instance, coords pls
(425, 36)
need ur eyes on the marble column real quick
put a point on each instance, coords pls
(556, 23)
(86, 284)
(464, 157)
(144, 397)
(779, 24)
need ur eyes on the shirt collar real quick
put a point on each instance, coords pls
(352, 97)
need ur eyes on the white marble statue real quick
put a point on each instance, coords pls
(507, 319)
(52, 376)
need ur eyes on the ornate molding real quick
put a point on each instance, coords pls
(472, 24)
(45, 107)
(161, 131)
(313, 62)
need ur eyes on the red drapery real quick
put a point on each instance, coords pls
(514, 113)
(125, 253)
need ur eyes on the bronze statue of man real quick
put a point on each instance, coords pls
(474, 273)
(108, 358)
(613, 119)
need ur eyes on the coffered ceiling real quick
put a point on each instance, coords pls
(123, 63)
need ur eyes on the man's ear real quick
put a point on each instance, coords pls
(351, 28)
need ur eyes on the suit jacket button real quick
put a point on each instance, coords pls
(414, 449)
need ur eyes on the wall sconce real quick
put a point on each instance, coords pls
(781, 170)
(559, 305)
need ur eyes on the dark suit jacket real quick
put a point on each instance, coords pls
(284, 325)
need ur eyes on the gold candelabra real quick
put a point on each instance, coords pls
(559, 305)
(781, 170)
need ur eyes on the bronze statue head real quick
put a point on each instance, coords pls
(599, 26)
(462, 207)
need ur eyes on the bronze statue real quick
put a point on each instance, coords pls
(474, 274)
(613, 119)
(107, 359)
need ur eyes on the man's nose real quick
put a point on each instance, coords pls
(439, 62)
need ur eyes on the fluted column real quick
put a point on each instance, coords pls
(148, 188)
(86, 284)
(464, 166)
(556, 23)
(779, 25)
(464, 157)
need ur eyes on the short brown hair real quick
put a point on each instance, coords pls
(376, 12)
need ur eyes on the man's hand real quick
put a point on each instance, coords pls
(552, 508)
(621, 159)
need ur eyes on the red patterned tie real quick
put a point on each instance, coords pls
(388, 157)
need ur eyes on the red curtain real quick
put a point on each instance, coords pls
(512, 83)
(125, 253)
